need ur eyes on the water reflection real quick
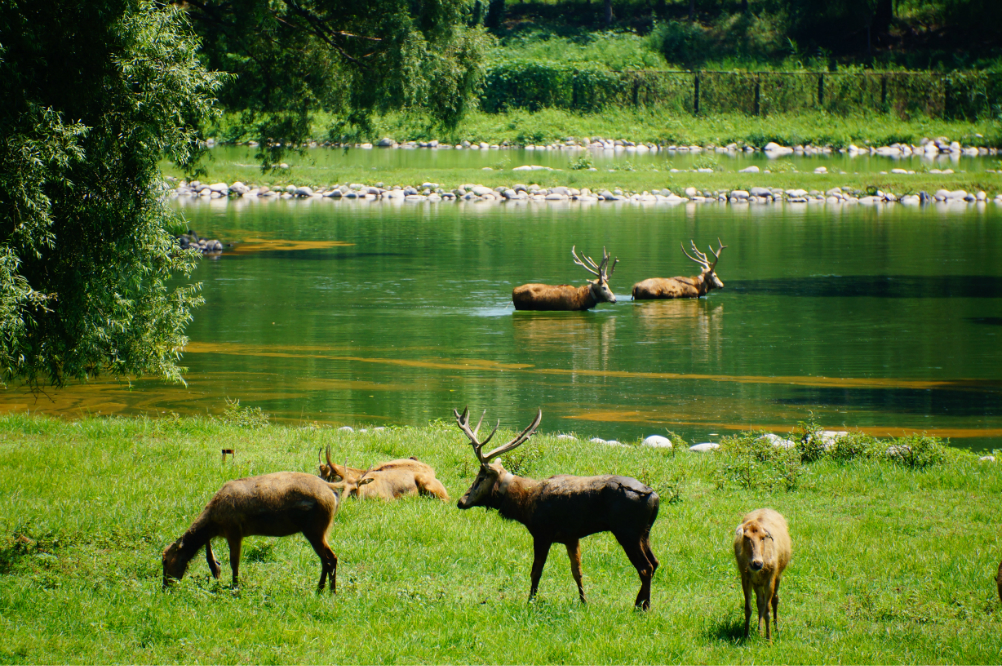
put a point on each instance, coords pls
(876, 286)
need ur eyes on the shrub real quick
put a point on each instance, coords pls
(752, 462)
(917, 451)
(243, 417)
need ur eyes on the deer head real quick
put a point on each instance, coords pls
(489, 473)
(708, 274)
(331, 472)
(600, 286)
(757, 544)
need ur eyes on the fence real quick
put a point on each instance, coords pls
(969, 95)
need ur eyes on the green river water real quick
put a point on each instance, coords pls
(888, 320)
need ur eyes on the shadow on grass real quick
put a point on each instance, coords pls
(730, 630)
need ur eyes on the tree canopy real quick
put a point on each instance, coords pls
(294, 58)
(94, 95)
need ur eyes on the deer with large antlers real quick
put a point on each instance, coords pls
(568, 297)
(680, 286)
(564, 509)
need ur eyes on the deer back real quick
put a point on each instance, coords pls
(553, 297)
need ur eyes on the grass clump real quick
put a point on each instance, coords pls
(242, 417)
(752, 461)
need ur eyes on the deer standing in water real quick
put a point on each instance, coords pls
(564, 509)
(683, 287)
(565, 296)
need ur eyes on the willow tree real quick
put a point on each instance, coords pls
(94, 95)
(292, 59)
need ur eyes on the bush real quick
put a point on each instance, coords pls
(243, 417)
(753, 462)
(917, 451)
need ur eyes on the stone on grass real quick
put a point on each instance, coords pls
(658, 442)
(704, 447)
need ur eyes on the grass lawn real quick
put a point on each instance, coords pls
(891, 564)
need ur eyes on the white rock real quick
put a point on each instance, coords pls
(821, 169)
(751, 169)
(987, 458)
(564, 436)
(346, 429)
(658, 442)
(778, 441)
(705, 447)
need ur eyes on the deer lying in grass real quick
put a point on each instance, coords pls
(387, 481)
(564, 509)
(274, 505)
(683, 287)
(565, 296)
(762, 551)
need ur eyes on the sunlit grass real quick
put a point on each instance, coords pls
(891, 564)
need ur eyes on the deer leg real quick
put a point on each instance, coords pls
(746, 586)
(762, 602)
(574, 552)
(645, 543)
(328, 560)
(775, 606)
(645, 569)
(540, 549)
(235, 542)
(210, 558)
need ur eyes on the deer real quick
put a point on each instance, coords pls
(386, 481)
(762, 552)
(277, 505)
(564, 509)
(680, 286)
(568, 297)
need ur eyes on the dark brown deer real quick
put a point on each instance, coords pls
(568, 297)
(386, 481)
(564, 509)
(274, 505)
(683, 287)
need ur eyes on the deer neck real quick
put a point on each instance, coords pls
(513, 497)
(586, 297)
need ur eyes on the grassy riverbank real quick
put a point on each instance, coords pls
(892, 563)
(653, 126)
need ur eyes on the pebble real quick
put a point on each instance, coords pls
(705, 447)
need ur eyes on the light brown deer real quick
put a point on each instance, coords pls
(276, 505)
(762, 551)
(683, 287)
(564, 509)
(386, 481)
(568, 297)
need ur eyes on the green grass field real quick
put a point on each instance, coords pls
(891, 564)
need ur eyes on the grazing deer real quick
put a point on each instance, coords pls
(387, 481)
(274, 505)
(564, 509)
(565, 296)
(683, 287)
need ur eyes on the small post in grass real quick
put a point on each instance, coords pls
(230, 452)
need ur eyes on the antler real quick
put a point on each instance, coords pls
(598, 270)
(464, 424)
(703, 260)
(333, 467)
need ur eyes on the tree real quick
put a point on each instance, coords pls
(94, 95)
(294, 58)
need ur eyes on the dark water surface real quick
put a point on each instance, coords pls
(888, 320)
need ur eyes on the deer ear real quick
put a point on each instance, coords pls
(768, 534)
(362, 482)
(740, 531)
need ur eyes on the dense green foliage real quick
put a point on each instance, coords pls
(94, 96)
(891, 564)
(343, 57)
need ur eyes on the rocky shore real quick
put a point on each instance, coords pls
(429, 192)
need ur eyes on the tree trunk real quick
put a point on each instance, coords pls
(608, 12)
